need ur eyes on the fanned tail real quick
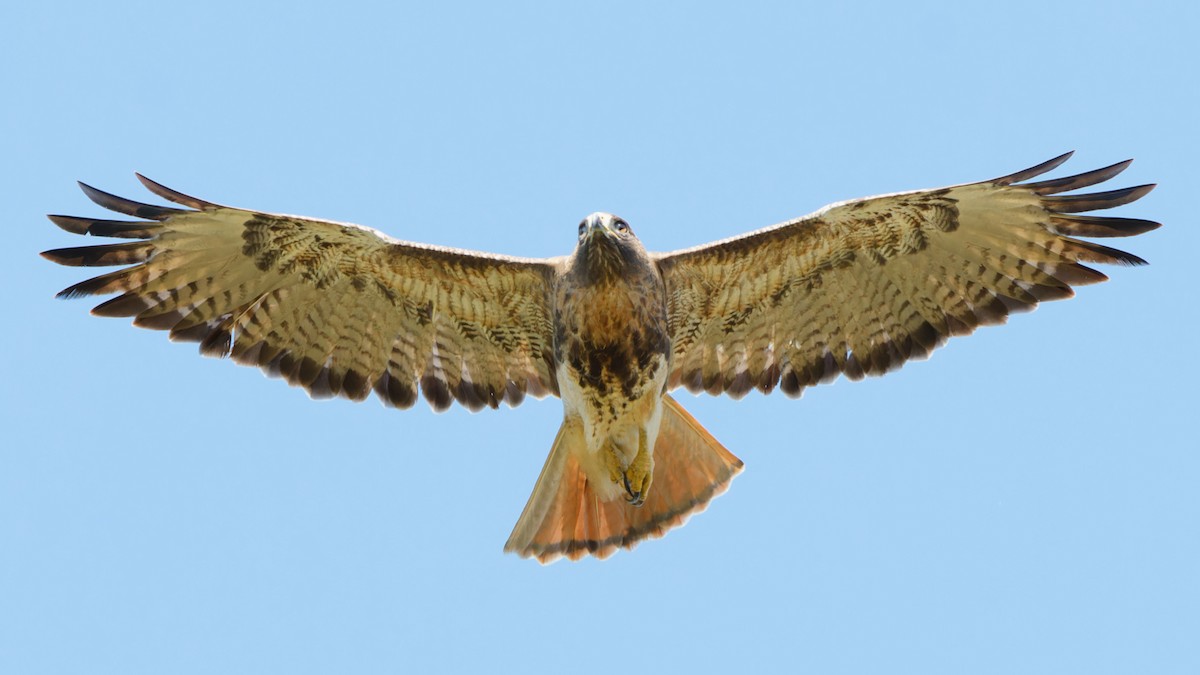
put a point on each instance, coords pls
(565, 517)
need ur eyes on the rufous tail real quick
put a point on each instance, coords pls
(564, 516)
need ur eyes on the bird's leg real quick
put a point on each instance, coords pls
(612, 462)
(640, 472)
(635, 476)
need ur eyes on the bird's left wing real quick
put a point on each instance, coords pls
(860, 287)
(338, 309)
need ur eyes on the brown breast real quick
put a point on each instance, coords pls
(610, 333)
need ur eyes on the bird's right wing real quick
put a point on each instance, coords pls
(338, 309)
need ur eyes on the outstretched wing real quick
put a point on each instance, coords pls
(335, 308)
(862, 286)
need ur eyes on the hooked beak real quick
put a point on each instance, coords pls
(595, 224)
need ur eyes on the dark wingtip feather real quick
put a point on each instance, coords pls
(1075, 274)
(174, 195)
(101, 256)
(128, 304)
(1033, 171)
(79, 290)
(1092, 252)
(1081, 180)
(1097, 200)
(71, 223)
(99, 285)
(52, 255)
(122, 229)
(1101, 226)
(128, 206)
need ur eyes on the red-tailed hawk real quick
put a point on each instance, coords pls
(856, 288)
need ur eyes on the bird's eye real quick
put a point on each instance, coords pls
(621, 226)
(582, 227)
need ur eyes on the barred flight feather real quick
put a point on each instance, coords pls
(860, 287)
(335, 308)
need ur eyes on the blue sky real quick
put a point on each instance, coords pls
(1024, 501)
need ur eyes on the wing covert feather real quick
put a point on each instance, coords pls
(338, 309)
(860, 287)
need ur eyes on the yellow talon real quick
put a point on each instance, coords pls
(640, 473)
(635, 477)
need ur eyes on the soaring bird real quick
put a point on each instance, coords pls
(856, 288)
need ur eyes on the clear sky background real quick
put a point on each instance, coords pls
(1025, 501)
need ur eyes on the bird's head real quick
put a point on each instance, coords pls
(607, 246)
